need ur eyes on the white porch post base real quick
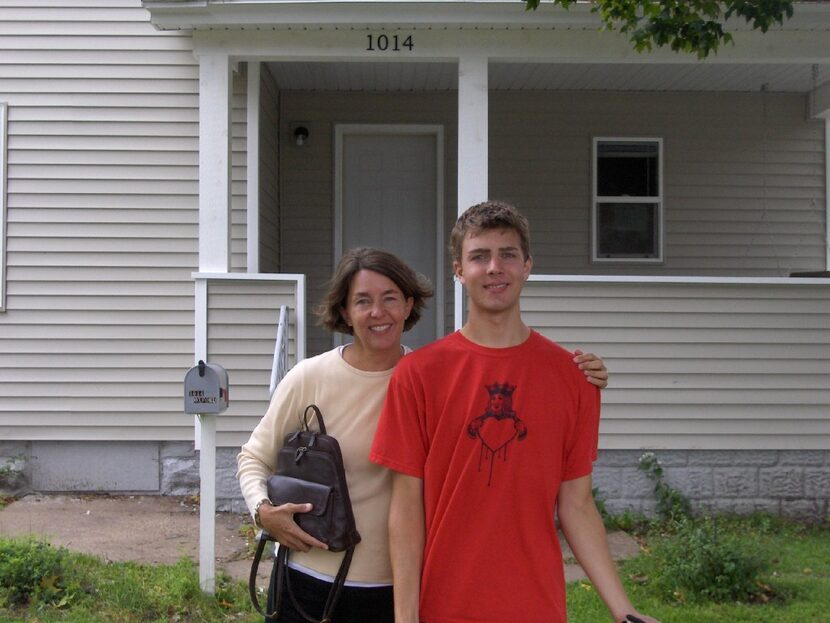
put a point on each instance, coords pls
(207, 503)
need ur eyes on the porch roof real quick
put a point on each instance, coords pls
(547, 49)
(500, 14)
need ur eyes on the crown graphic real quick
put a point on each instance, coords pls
(497, 388)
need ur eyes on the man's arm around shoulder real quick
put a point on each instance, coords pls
(406, 544)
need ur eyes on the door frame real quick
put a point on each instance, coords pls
(341, 130)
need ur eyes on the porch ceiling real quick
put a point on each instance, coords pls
(426, 76)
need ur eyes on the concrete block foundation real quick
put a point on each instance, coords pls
(787, 483)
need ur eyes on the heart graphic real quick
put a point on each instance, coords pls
(495, 434)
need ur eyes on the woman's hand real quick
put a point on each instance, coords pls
(280, 524)
(593, 367)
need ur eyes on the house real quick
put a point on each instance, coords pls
(175, 170)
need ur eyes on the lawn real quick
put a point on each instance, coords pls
(798, 579)
(78, 588)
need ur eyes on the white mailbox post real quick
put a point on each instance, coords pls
(206, 395)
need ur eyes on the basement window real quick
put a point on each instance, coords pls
(627, 207)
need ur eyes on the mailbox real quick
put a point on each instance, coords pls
(206, 389)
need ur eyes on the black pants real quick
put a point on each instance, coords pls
(356, 604)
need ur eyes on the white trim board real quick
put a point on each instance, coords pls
(4, 113)
(525, 45)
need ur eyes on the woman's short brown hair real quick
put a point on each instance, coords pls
(489, 215)
(412, 284)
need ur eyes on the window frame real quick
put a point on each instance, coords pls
(4, 117)
(596, 200)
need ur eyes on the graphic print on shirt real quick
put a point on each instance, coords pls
(497, 427)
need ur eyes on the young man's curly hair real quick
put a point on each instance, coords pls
(489, 215)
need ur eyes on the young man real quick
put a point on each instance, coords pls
(488, 430)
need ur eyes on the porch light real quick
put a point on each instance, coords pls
(300, 135)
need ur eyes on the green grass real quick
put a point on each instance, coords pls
(92, 591)
(98, 592)
(799, 579)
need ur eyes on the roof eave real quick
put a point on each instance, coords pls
(237, 14)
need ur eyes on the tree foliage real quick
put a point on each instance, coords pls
(693, 26)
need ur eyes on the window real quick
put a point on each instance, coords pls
(3, 113)
(628, 200)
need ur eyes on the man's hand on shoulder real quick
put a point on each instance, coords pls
(593, 368)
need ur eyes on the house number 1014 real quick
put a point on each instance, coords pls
(389, 43)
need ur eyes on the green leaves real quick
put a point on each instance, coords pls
(689, 26)
(31, 570)
(673, 507)
(701, 563)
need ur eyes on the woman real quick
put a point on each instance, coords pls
(373, 296)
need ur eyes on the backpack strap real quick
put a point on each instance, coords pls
(281, 580)
(318, 415)
(262, 538)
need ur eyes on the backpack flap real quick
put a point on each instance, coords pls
(288, 490)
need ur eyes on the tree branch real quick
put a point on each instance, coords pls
(690, 26)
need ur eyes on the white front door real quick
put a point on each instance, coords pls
(388, 179)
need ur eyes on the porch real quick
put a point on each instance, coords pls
(517, 98)
(711, 343)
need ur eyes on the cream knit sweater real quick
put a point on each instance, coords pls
(351, 401)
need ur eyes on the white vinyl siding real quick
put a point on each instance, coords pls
(698, 364)
(743, 177)
(102, 222)
(242, 319)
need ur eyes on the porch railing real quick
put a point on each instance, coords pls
(696, 362)
(237, 320)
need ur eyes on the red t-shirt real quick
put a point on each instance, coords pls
(492, 432)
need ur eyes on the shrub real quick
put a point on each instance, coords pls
(699, 563)
(694, 560)
(31, 571)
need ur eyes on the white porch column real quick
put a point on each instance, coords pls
(214, 256)
(214, 163)
(472, 144)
